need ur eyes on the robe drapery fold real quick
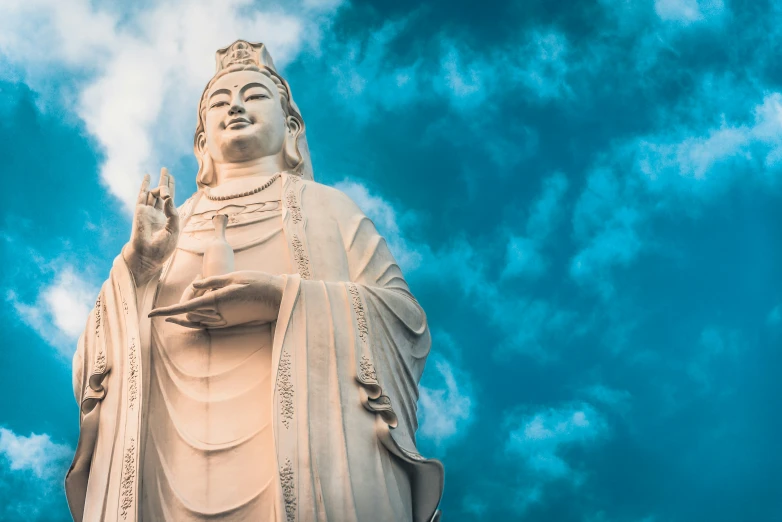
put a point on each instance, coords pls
(349, 347)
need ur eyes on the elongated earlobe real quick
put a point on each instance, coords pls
(206, 170)
(290, 149)
(206, 166)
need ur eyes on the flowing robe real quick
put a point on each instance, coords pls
(209, 413)
(348, 349)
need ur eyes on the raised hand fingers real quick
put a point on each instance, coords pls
(171, 186)
(144, 191)
(163, 183)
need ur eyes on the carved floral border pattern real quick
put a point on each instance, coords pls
(366, 370)
(133, 374)
(294, 207)
(288, 490)
(285, 387)
(128, 479)
(302, 261)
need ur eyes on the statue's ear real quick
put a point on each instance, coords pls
(291, 147)
(206, 167)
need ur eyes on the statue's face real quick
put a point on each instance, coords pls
(244, 118)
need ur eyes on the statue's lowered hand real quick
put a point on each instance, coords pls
(155, 228)
(240, 298)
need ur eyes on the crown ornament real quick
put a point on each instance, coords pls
(242, 52)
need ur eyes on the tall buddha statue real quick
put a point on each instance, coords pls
(255, 354)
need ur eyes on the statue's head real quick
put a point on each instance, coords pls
(247, 113)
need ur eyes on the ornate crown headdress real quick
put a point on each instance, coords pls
(242, 52)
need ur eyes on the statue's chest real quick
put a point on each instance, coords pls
(258, 242)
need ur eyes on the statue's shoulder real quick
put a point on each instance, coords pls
(330, 199)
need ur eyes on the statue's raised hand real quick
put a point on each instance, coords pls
(155, 229)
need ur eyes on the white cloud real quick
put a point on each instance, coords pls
(523, 257)
(542, 441)
(676, 170)
(524, 253)
(703, 159)
(538, 65)
(60, 311)
(366, 63)
(686, 12)
(445, 410)
(461, 80)
(32, 470)
(540, 438)
(35, 453)
(138, 75)
(447, 400)
(608, 396)
(369, 74)
(543, 66)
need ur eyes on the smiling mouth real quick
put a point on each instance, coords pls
(237, 122)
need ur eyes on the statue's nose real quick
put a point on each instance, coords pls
(236, 108)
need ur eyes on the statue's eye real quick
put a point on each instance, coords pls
(259, 96)
(220, 103)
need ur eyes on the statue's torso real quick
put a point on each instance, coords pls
(209, 452)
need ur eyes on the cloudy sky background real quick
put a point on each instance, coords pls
(585, 197)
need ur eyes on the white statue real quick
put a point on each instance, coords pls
(256, 354)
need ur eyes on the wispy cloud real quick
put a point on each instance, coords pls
(32, 469)
(524, 252)
(36, 453)
(608, 396)
(367, 77)
(715, 348)
(61, 309)
(677, 170)
(542, 441)
(687, 12)
(134, 75)
(447, 401)
(538, 65)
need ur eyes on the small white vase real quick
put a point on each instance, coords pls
(218, 256)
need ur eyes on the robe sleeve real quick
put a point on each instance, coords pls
(352, 335)
(101, 382)
(392, 327)
(393, 343)
(90, 367)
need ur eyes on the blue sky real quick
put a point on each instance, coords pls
(584, 196)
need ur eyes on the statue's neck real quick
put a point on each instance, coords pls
(248, 170)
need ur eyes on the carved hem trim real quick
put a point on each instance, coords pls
(366, 374)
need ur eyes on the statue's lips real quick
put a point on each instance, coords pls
(238, 123)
